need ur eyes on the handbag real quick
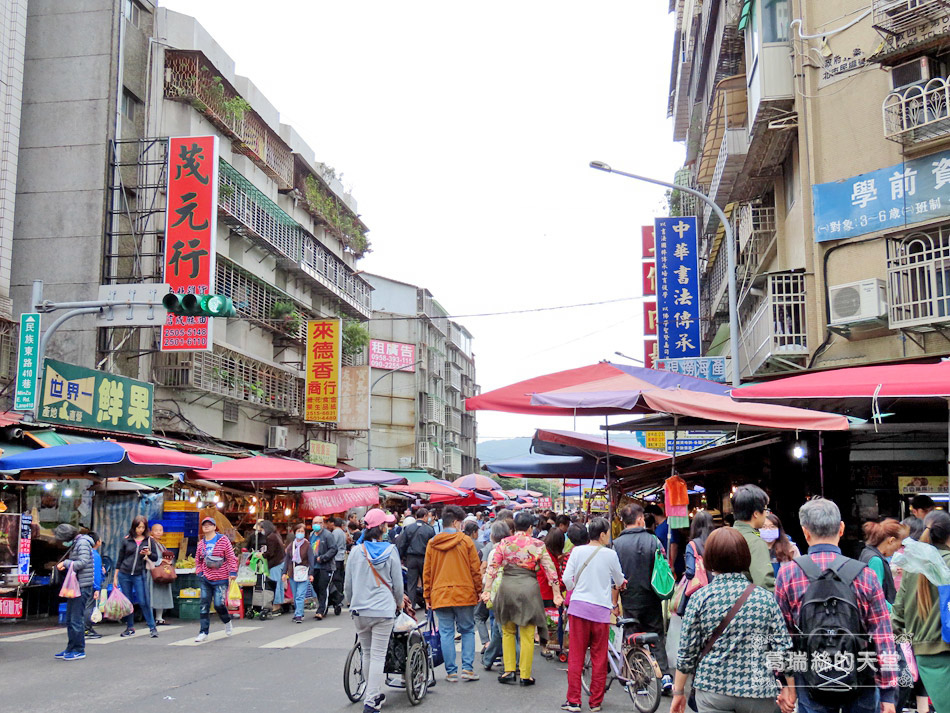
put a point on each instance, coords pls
(679, 595)
(717, 632)
(662, 579)
(164, 572)
(700, 578)
(301, 573)
(433, 640)
(149, 565)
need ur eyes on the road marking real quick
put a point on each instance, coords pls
(34, 635)
(112, 638)
(290, 641)
(213, 637)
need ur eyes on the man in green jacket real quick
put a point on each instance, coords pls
(750, 504)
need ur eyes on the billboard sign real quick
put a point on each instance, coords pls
(678, 287)
(392, 355)
(324, 354)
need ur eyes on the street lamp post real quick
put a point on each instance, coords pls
(730, 257)
(633, 359)
(369, 415)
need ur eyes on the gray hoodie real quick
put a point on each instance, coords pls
(80, 557)
(365, 595)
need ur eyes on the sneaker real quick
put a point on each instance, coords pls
(337, 610)
(572, 707)
(469, 676)
(452, 677)
(60, 655)
(153, 633)
(595, 709)
(298, 620)
(201, 637)
(92, 635)
(74, 656)
(127, 632)
(667, 685)
(229, 630)
(372, 705)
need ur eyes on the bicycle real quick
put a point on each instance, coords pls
(633, 666)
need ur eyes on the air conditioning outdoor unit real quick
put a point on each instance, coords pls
(917, 71)
(405, 462)
(277, 437)
(858, 302)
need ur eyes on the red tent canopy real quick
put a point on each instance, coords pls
(597, 446)
(888, 381)
(333, 500)
(264, 469)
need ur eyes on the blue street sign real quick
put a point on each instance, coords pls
(677, 287)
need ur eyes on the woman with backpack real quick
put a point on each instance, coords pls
(136, 552)
(881, 540)
(917, 610)
(216, 567)
(373, 589)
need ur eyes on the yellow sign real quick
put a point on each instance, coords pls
(910, 485)
(324, 352)
(656, 440)
(322, 453)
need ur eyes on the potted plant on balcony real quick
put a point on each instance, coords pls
(287, 316)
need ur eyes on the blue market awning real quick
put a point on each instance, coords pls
(542, 466)
(105, 458)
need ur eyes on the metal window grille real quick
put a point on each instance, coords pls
(230, 412)
(425, 457)
(254, 299)
(776, 331)
(897, 16)
(918, 278)
(918, 113)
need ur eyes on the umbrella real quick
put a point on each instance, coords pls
(550, 442)
(476, 481)
(371, 477)
(541, 466)
(522, 493)
(429, 487)
(265, 469)
(105, 458)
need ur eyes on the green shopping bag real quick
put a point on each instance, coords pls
(662, 580)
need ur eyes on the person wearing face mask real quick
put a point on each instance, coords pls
(298, 569)
(750, 506)
(324, 549)
(781, 547)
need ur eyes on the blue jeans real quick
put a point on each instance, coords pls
(213, 593)
(464, 619)
(135, 588)
(275, 576)
(299, 590)
(868, 702)
(76, 621)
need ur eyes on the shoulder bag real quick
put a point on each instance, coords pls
(662, 580)
(149, 565)
(378, 577)
(717, 632)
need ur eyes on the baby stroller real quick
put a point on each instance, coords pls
(409, 655)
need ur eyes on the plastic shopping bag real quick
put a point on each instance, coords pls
(404, 623)
(246, 577)
(117, 606)
(70, 588)
(234, 595)
(96, 616)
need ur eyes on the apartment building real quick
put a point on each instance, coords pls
(418, 411)
(822, 128)
(106, 82)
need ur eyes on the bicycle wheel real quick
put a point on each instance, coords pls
(643, 686)
(586, 673)
(417, 673)
(354, 682)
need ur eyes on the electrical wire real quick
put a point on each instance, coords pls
(797, 22)
(513, 311)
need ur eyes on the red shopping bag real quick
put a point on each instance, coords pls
(70, 588)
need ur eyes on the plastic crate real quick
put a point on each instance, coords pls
(180, 506)
(189, 609)
(190, 593)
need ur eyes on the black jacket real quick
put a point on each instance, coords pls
(636, 548)
(413, 540)
(130, 561)
(890, 590)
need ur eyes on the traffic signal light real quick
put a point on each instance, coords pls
(199, 305)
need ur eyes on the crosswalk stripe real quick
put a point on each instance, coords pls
(213, 637)
(112, 638)
(301, 636)
(33, 635)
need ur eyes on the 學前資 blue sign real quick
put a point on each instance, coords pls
(677, 287)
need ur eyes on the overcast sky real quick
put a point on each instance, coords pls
(464, 131)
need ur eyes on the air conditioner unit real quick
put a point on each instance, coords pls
(917, 71)
(405, 462)
(277, 437)
(858, 302)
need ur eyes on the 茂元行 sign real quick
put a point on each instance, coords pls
(80, 396)
(677, 269)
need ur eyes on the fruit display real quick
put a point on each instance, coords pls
(186, 563)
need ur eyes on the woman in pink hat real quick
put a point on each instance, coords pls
(373, 591)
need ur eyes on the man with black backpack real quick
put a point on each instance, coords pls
(411, 545)
(835, 609)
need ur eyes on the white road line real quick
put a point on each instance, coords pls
(33, 635)
(219, 634)
(301, 636)
(139, 634)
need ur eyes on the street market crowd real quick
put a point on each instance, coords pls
(759, 624)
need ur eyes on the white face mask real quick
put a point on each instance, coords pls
(769, 534)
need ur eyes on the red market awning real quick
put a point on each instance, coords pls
(334, 500)
(594, 445)
(429, 487)
(271, 471)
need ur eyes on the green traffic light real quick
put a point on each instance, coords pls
(217, 306)
(172, 303)
(199, 306)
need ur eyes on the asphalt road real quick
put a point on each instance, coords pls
(265, 666)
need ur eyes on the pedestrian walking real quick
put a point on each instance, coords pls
(917, 613)
(922, 505)
(298, 569)
(881, 540)
(750, 506)
(863, 614)
(781, 547)
(729, 627)
(159, 595)
(79, 557)
(216, 568)
(324, 550)
(492, 652)
(132, 572)
(593, 576)
(97, 575)
(335, 599)
(672, 540)
(273, 550)
(451, 584)
(554, 542)
(637, 547)
(411, 545)
(700, 528)
(517, 604)
(373, 590)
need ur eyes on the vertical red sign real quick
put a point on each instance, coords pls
(190, 225)
(649, 278)
(648, 243)
(651, 352)
(649, 318)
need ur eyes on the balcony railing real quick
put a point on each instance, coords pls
(427, 456)
(755, 230)
(190, 77)
(896, 17)
(454, 379)
(732, 153)
(453, 421)
(254, 300)
(717, 284)
(235, 376)
(918, 113)
(775, 333)
(255, 216)
(435, 409)
(918, 280)
(453, 461)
